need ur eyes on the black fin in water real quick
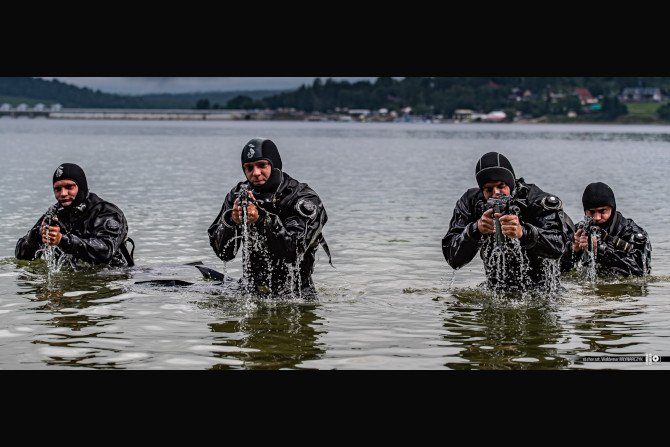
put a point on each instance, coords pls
(166, 283)
(195, 263)
(208, 273)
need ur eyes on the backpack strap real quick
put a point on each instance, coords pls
(124, 251)
(327, 250)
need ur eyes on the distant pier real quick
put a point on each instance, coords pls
(26, 113)
(290, 114)
(136, 114)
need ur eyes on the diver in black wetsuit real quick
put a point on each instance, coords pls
(285, 219)
(539, 224)
(81, 224)
(621, 247)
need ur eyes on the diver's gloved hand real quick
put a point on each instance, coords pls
(510, 225)
(580, 242)
(252, 211)
(485, 224)
(51, 237)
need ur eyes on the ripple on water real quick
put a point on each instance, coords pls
(4, 333)
(55, 351)
(526, 360)
(215, 348)
(198, 362)
(127, 357)
(78, 293)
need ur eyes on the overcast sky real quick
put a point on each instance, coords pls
(139, 86)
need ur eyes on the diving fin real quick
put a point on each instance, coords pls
(208, 273)
(166, 283)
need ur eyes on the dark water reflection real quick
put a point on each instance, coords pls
(66, 303)
(269, 336)
(504, 335)
(546, 332)
(619, 289)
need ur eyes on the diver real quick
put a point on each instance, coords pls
(284, 222)
(81, 225)
(618, 244)
(504, 209)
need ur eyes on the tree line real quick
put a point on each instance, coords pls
(529, 96)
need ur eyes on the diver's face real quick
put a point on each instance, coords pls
(600, 215)
(65, 192)
(257, 172)
(492, 188)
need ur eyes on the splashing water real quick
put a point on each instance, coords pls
(54, 256)
(294, 283)
(51, 255)
(507, 268)
(254, 243)
(55, 259)
(552, 272)
(246, 259)
(452, 281)
(587, 266)
(48, 252)
(497, 265)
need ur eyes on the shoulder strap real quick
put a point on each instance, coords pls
(124, 251)
(327, 250)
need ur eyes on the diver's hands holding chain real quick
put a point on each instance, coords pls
(252, 211)
(54, 235)
(580, 242)
(509, 224)
(485, 223)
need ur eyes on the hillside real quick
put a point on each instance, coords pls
(16, 90)
(54, 91)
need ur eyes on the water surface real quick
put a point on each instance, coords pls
(391, 303)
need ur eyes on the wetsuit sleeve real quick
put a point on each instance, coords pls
(544, 234)
(223, 232)
(299, 229)
(27, 246)
(107, 234)
(620, 258)
(463, 240)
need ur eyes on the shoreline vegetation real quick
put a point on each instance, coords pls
(620, 100)
(357, 116)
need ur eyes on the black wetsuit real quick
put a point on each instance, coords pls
(546, 235)
(92, 232)
(288, 230)
(624, 249)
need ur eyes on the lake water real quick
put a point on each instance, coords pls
(392, 302)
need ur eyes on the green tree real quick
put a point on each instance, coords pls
(613, 108)
(202, 104)
(240, 102)
(664, 112)
(565, 105)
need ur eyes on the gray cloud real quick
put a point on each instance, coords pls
(144, 85)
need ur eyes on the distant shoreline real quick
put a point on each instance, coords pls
(290, 115)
